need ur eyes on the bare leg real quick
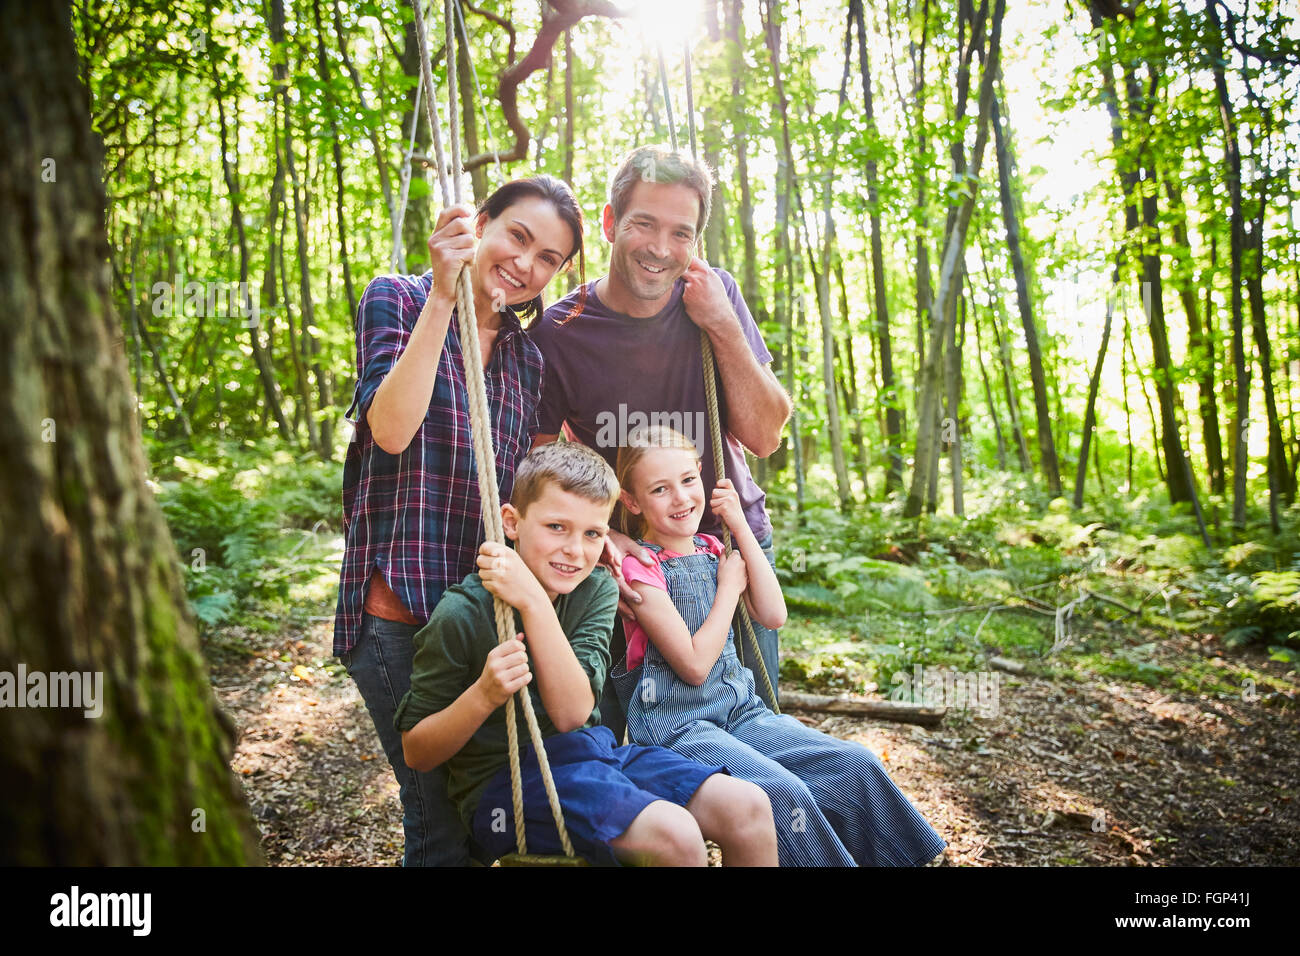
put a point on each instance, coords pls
(663, 834)
(736, 815)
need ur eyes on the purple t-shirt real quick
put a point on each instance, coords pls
(606, 373)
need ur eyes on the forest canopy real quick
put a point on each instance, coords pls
(1001, 253)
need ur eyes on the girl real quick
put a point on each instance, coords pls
(410, 497)
(684, 688)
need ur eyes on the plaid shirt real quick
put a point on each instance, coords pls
(415, 516)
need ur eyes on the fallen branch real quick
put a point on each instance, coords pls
(1007, 664)
(1110, 600)
(857, 707)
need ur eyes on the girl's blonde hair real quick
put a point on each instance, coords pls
(639, 440)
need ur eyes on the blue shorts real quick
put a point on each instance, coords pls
(602, 789)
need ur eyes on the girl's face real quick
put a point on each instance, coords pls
(666, 489)
(520, 251)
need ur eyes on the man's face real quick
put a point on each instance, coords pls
(560, 537)
(654, 240)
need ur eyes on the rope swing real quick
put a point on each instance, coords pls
(711, 382)
(484, 454)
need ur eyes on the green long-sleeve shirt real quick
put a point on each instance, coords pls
(451, 650)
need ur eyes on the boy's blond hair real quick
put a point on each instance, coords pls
(639, 439)
(574, 467)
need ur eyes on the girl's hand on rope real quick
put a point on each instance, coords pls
(450, 247)
(505, 671)
(725, 503)
(733, 575)
(506, 576)
(705, 297)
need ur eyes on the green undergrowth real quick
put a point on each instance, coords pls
(257, 531)
(873, 595)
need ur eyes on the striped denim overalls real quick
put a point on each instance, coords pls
(833, 802)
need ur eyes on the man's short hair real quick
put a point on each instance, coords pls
(662, 164)
(574, 467)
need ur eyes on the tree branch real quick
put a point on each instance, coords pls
(567, 13)
(500, 21)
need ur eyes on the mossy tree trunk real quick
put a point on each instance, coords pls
(89, 579)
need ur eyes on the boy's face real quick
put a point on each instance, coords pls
(560, 537)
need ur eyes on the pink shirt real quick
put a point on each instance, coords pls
(634, 570)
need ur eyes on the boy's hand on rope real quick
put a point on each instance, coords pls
(706, 298)
(451, 246)
(725, 503)
(505, 671)
(506, 576)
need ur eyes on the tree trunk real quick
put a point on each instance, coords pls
(1278, 475)
(90, 584)
(1241, 370)
(1011, 220)
(984, 377)
(888, 387)
(331, 110)
(740, 146)
(266, 374)
(1161, 462)
(1199, 340)
(1128, 412)
(372, 129)
(469, 119)
(786, 175)
(1094, 383)
(851, 405)
(1004, 362)
(924, 288)
(953, 419)
(940, 310)
(1177, 467)
(821, 280)
(417, 221)
(311, 347)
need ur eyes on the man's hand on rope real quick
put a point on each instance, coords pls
(706, 299)
(450, 247)
(617, 545)
(504, 672)
(506, 576)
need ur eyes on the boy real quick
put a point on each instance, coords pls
(643, 805)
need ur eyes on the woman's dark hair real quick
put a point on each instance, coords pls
(558, 194)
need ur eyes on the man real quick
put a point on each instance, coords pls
(625, 350)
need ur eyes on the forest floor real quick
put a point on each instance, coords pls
(1071, 771)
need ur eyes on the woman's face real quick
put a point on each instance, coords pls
(520, 251)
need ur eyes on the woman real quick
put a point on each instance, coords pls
(411, 510)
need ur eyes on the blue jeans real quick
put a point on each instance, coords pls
(767, 641)
(611, 711)
(380, 664)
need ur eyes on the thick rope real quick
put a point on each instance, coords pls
(668, 100)
(484, 455)
(719, 466)
(711, 387)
